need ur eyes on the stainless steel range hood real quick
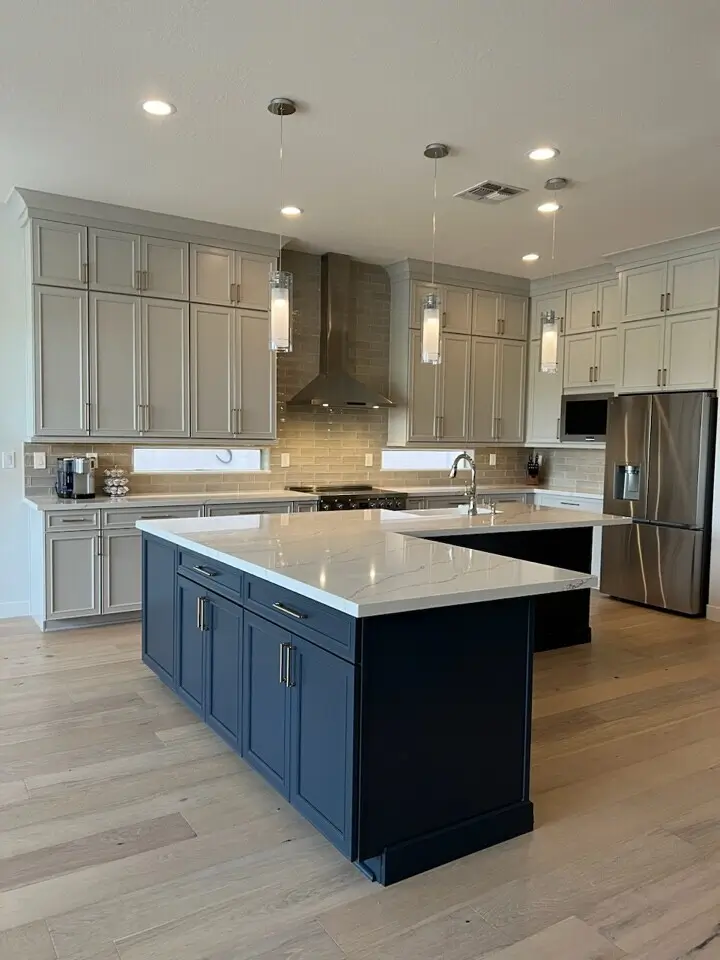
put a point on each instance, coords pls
(334, 386)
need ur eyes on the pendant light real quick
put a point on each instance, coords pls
(549, 322)
(281, 281)
(431, 310)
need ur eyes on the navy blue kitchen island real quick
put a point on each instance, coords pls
(402, 734)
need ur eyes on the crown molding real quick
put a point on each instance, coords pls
(666, 249)
(573, 278)
(464, 276)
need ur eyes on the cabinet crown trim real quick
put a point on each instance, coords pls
(573, 278)
(461, 276)
(703, 242)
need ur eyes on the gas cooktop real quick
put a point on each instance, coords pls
(353, 496)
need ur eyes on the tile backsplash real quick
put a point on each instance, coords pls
(327, 446)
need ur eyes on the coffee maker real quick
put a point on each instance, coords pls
(75, 478)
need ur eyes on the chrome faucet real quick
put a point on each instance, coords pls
(472, 491)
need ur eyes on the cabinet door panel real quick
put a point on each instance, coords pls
(609, 303)
(641, 355)
(514, 317)
(212, 352)
(115, 365)
(455, 385)
(255, 392)
(322, 722)
(423, 388)
(582, 302)
(237, 509)
(544, 398)
(640, 291)
(690, 351)
(122, 571)
(72, 572)
(486, 313)
(114, 261)
(59, 254)
(166, 368)
(553, 301)
(265, 701)
(579, 360)
(212, 272)
(511, 392)
(606, 350)
(253, 278)
(60, 361)
(165, 263)
(483, 393)
(191, 646)
(158, 606)
(457, 309)
(693, 283)
(224, 648)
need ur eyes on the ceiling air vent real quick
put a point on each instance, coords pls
(490, 191)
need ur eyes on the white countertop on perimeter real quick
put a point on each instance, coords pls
(51, 502)
(375, 561)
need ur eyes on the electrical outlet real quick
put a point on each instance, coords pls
(493, 459)
(368, 459)
(93, 458)
(39, 461)
(8, 460)
(284, 459)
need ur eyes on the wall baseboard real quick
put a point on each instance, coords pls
(713, 613)
(14, 608)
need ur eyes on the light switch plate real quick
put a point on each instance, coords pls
(493, 459)
(8, 460)
(284, 459)
(93, 458)
(368, 459)
(39, 461)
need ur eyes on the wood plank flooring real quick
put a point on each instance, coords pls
(128, 831)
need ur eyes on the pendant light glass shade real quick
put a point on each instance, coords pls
(431, 329)
(548, 342)
(280, 311)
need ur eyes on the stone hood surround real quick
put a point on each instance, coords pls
(376, 562)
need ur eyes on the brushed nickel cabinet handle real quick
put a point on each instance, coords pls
(441, 426)
(232, 293)
(289, 682)
(664, 378)
(659, 375)
(499, 427)
(203, 619)
(87, 416)
(146, 279)
(75, 520)
(147, 416)
(238, 292)
(667, 301)
(139, 415)
(558, 429)
(155, 516)
(84, 272)
(497, 326)
(205, 571)
(597, 318)
(198, 621)
(596, 374)
(288, 611)
(590, 369)
(592, 320)
(100, 545)
(662, 302)
(444, 319)
(282, 676)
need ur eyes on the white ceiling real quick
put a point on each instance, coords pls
(628, 89)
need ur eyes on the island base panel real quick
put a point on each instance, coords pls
(407, 859)
(561, 619)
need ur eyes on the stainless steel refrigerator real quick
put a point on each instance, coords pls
(659, 462)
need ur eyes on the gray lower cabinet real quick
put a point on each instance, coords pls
(121, 570)
(235, 509)
(72, 574)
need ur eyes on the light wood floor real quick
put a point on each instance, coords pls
(127, 830)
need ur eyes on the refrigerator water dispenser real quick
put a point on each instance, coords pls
(627, 481)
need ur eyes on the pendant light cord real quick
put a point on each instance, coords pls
(280, 205)
(432, 271)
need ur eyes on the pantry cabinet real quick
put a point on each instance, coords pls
(229, 278)
(680, 285)
(544, 399)
(669, 353)
(590, 361)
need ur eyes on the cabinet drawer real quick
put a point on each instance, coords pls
(328, 628)
(126, 517)
(70, 520)
(213, 575)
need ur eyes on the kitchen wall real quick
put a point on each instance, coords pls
(579, 471)
(324, 446)
(14, 562)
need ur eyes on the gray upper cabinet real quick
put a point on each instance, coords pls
(165, 374)
(592, 306)
(550, 302)
(229, 278)
(254, 376)
(455, 306)
(114, 261)
(165, 266)
(511, 392)
(59, 254)
(680, 285)
(60, 362)
(212, 348)
(422, 394)
(499, 315)
(544, 398)
(514, 317)
(497, 402)
(483, 400)
(454, 373)
(115, 365)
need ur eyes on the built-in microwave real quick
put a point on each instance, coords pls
(584, 417)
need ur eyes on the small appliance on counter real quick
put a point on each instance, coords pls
(354, 497)
(532, 471)
(75, 478)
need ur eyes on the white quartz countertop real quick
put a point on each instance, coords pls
(51, 502)
(375, 562)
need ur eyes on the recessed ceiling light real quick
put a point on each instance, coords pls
(550, 207)
(291, 211)
(158, 108)
(543, 153)
(530, 257)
